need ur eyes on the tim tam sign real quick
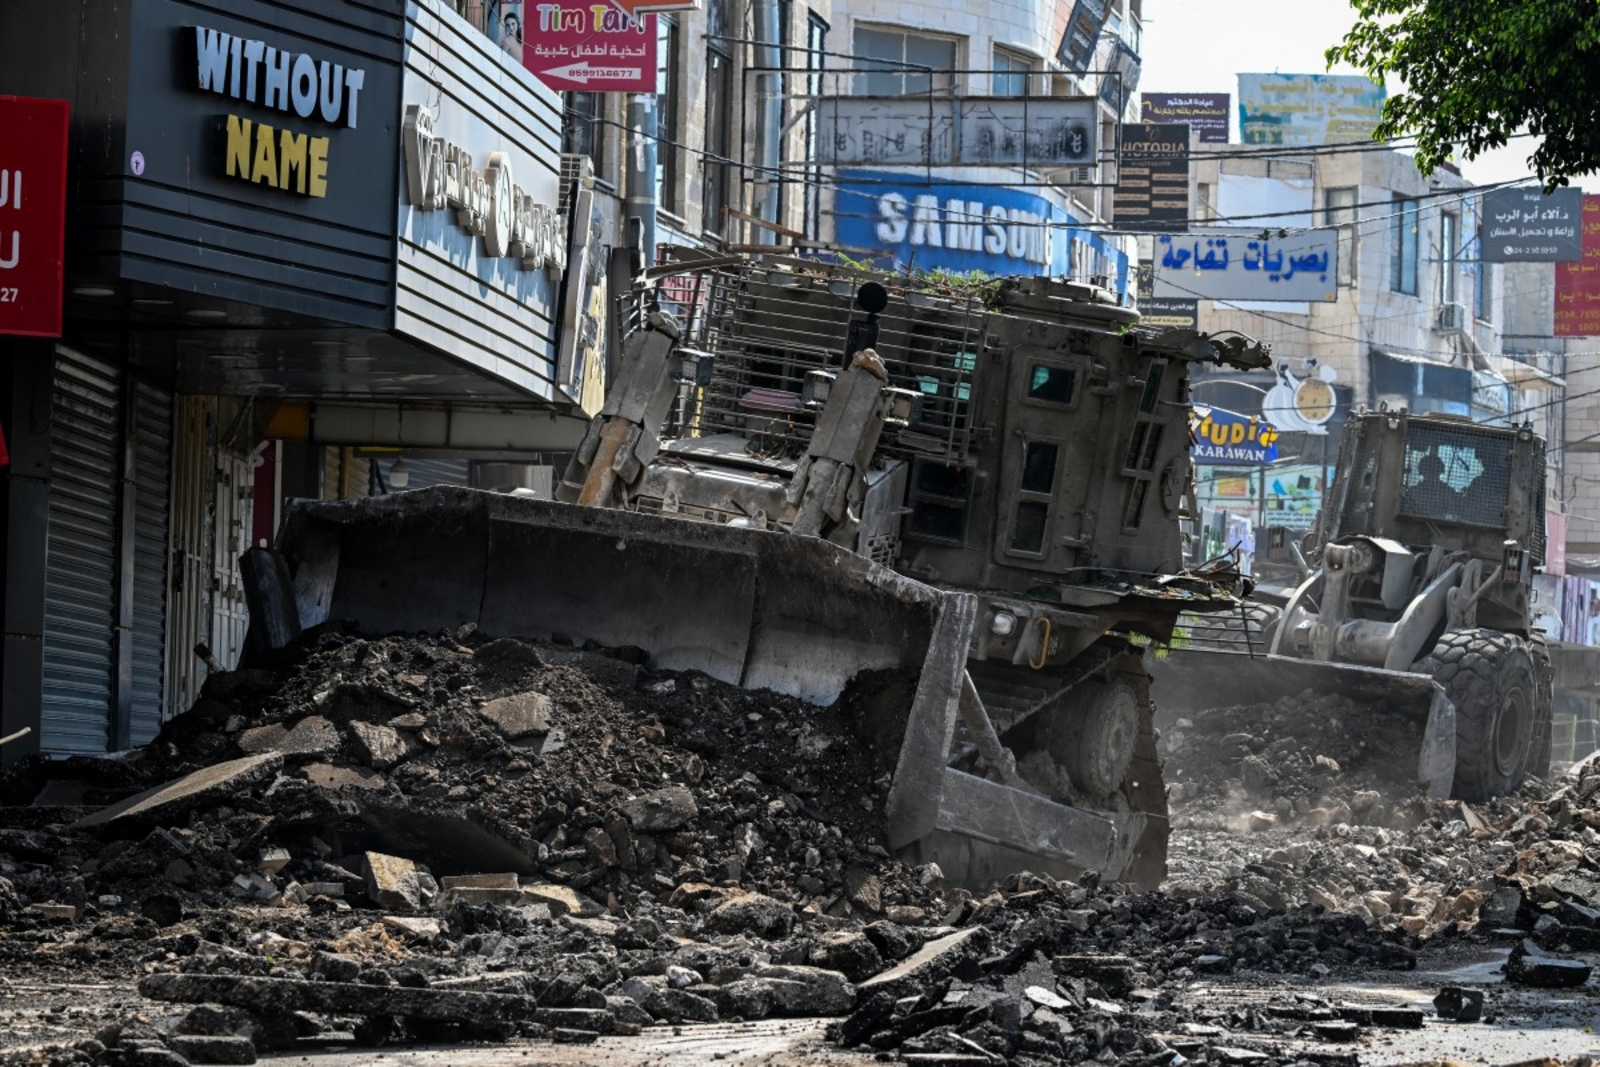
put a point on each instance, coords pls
(33, 207)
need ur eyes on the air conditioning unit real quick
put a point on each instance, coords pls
(1451, 318)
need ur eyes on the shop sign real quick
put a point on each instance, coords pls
(1227, 437)
(1301, 405)
(1306, 109)
(1206, 112)
(1244, 265)
(1577, 298)
(1526, 225)
(296, 84)
(986, 131)
(1153, 178)
(957, 227)
(581, 46)
(442, 176)
(33, 205)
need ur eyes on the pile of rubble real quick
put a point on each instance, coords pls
(449, 836)
(1307, 760)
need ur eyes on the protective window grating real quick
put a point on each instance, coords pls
(1456, 475)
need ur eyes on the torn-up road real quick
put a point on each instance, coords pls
(443, 839)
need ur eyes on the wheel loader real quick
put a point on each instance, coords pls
(954, 504)
(1415, 594)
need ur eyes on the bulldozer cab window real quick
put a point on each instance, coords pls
(1454, 477)
(1055, 385)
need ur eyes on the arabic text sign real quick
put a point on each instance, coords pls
(1227, 437)
(1295, 109)
(33, 205)
(1522, 225)
(1242, 265)
(977, 130)
(588, 47)
(1577, 312)
(1206, 112)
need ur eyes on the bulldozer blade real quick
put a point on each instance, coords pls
(755, 608)
(1190, 680)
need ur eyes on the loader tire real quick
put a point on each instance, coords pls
(1490, 678)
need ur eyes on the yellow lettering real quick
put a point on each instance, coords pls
(266, 157)
(292, 160)
(238, 147)
(599, 15)
(1236, 434)
(319, 166)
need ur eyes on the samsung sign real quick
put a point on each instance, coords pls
(960, 227)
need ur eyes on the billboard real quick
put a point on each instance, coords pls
(1239, 264)
(586, 47)
(1153, 178)
(977, 130)
(1302, 109)
(33, 211)
(1206, 112)
(1577, 311)
(900, 222)
(1523, 225)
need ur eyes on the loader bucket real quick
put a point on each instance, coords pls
(1190, 680)
(759, 609)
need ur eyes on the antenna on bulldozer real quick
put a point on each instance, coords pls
(871, 298)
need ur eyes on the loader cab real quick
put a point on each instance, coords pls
(1439, 480)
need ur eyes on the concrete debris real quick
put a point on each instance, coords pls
(430, 837)
(1458, 1005)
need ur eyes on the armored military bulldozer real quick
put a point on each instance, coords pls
(954, 502)
(1416, 592)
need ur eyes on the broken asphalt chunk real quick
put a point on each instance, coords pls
(169, 802)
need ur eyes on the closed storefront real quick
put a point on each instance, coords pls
(106, 562)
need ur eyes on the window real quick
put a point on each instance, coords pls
(1484, 302)
(896, 63)
(719, 139)
(816, 45)
(583, 127)
(669, 126)
(1011, 72)
(1205, 201)
(1339, 210)
(1403, 255)
(1449, 256)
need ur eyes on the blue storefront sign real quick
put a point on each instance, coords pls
(905, 223)
(1228, 437)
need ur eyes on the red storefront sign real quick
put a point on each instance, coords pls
(33, 212)
(1578, 284)
(582, 46)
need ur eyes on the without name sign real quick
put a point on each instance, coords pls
(33, 210)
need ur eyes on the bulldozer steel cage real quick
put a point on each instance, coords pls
(765, 325)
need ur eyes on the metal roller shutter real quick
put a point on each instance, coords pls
(80, 567)
(152, 506)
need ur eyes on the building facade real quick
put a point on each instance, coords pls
(305, 242)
